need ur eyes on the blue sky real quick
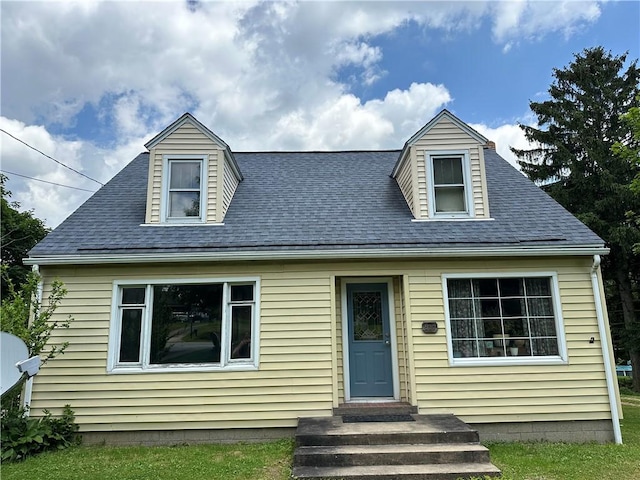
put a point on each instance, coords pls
(89, 83)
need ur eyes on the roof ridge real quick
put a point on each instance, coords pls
(394, 150)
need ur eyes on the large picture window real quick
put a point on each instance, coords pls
(503, 318)
(177, 325)
(449, 181)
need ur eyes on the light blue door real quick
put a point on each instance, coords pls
(370, 373)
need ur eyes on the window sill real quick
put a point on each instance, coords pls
(182, 224)
(499, 361)
(238, 367)
(453, 219)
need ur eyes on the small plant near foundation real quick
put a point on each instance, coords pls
(23, 436)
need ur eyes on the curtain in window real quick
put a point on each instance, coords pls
(541, 318)
(467, 329)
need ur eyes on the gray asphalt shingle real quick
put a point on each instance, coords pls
(302, 200)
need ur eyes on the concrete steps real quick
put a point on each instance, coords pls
(399, 472)
(429, 447)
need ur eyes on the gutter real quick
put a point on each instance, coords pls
(312, 254)
(604, 343)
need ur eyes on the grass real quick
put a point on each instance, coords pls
(272, 460)
(564, 461)
(260, 461)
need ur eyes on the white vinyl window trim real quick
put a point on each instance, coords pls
(167, 161)
(143, 364)
(562, 357)
(463, 155)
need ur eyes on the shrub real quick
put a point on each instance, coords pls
(626, 385)
(22, 436)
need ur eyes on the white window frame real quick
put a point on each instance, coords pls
(429, 155)
(144, 366)
(167, 159)
(561, 358)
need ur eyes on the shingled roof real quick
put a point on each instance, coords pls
(314, 202)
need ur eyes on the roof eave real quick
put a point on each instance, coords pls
(319, 254)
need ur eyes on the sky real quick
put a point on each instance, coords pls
(89, 83)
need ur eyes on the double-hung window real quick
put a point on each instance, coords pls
(184, 188)
(184, 325)
(449, 182)
(503, 319)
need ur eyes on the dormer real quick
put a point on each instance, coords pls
(192, 175)
(441, 172)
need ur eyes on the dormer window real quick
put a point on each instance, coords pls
(184, 188)
(450, 189)
(193, 175)
(440, 171)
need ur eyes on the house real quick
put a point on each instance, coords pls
(219, 295)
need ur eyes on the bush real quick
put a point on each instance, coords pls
(22, 436)
(626, 385)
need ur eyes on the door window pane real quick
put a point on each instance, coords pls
(367, 316)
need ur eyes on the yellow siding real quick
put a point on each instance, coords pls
(186, 140)
(401, 340)
(445, 135)
(511, 393)
(300, 339)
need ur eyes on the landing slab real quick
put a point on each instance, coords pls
(424, 429)
(423, 424)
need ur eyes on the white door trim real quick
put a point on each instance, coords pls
(345, 336)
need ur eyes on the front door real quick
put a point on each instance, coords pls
(369, 337)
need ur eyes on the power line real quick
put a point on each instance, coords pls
(45, 181)
(50, 157)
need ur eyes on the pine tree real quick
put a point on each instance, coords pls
(574, 161)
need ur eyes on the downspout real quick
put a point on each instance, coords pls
(604, 344)
(28, 386)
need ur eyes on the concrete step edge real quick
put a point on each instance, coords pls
(392, 448)
(398, 471)
(367, 438)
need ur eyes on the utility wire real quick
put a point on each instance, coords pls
(45, 181)
(57, 161)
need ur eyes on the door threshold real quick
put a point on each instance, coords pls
(372, 400)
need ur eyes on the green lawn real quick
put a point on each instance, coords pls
(563, 461)
(272, 461)
(260, 461)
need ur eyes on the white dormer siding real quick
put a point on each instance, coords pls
(186, 140)
(230, 183)
(444, 137)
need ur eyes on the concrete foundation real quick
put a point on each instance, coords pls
(578, 431)
(186, 437)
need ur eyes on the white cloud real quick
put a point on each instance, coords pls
(506, 136)
(262, 75)
(516, 20)
(53, 203)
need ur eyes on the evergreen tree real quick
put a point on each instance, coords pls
(575, 162)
